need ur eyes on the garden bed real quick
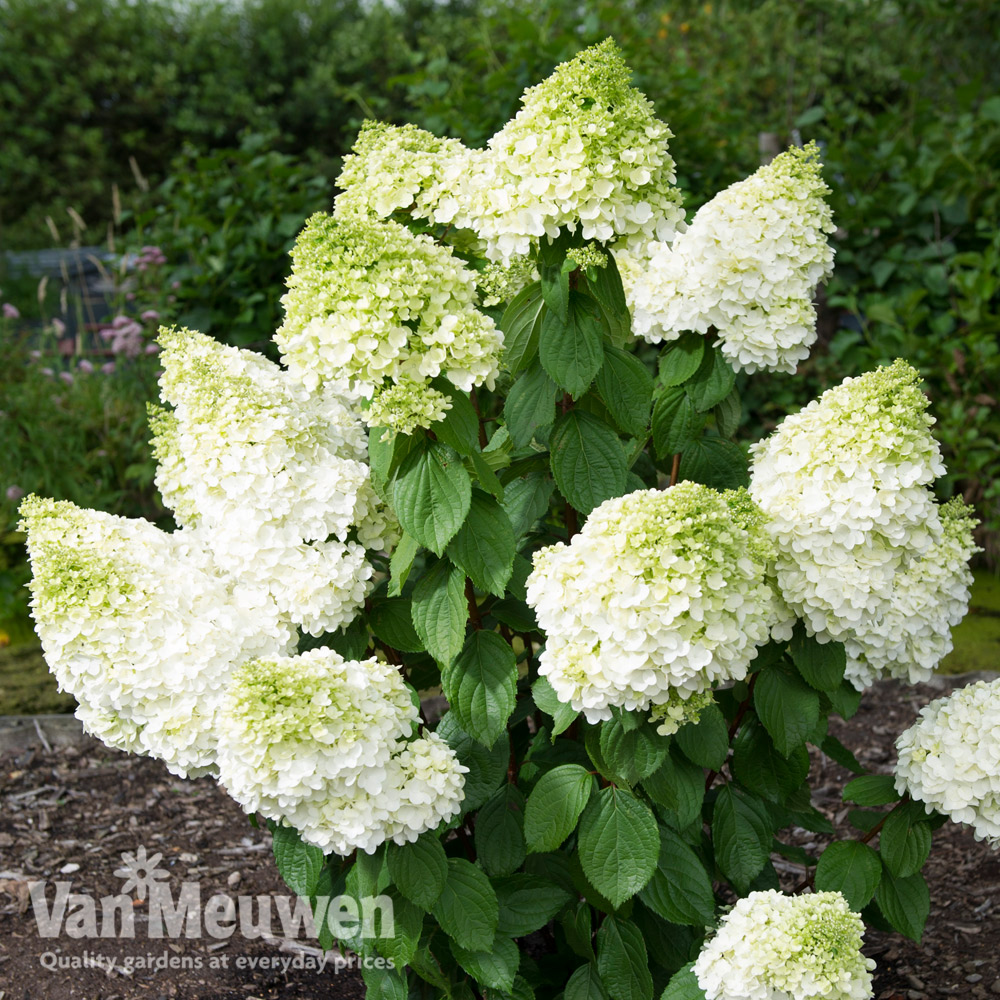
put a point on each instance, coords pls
(71, 810)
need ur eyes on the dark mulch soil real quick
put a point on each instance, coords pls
(68, 814)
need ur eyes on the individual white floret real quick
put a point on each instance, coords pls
(776, 947)
(660, 595)
(370, 303)
(584, 152)
(748, 265)
(141, 629)
(865, 556)
(949, 759)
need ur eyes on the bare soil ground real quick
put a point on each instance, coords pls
(69, 813)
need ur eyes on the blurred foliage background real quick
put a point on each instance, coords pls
(209, 131)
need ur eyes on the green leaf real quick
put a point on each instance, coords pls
(588, 461)
(571, 349)
(392, 623)
(850, 867)
(527, 903)
(487, 765)
(408, 922)
(484, 544)
(715, 462)
(712, 382)
(836, 750)
(605, 284)
(585, 984)
(531, 404)
(555, 286)
(554, 806)
(439, 611)
(467, 909)
(679, 786)
(727, 414)
(526, 500)
(419, 869)
(515, 614)
(495, 967)
(630, 753)
(619, 844)
(626, 387)
(683, 985)
(705, 742)
(432, 494)
(760, 768)
(548, 701)
(460, 427)
(384, 984)
(622, 960)
(351, 641)
(299, 864)
(821, 665)
(681, 359)
(385, 457)
(905, 903)
(521, 323)
(680, 890)
(486, 476)
(675, 422)
(499, 832)
(904, 843)
(578, 927)
(871, 790)
(402, 562)
(480, 686)
(740, 836)
(845, 700)
(787, 706)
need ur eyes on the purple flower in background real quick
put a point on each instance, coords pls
(152, 348)
(47, 372)
(67, 377)
(10, 312)
(59, 326)
(108, 368)
(86, 366)
(14, 493)
(124, 336)
(149, 316)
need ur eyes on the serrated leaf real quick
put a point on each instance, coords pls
(606, 286)
(499, 836)
(555, 805)
(385, 456)
(299, 864)
(759, 767)
(786, 705)
(407, 922)
(571, 349)
(480, 686)
(905, 903)
(631, 753)
(467, 909)
(439, 611)
(740, 837)
(588, 461)
(715, 462)
(821, 665)
(391, 621)
(619, 844)
(384, 984)
(852, 868)
(487, 765)
(521, 324)
(836, 750)
(530, 405)
(419, 869)
(872, 790)
(431, 495)
(679, 786)
(495, 967)
(485, 475)
(683, 985)
(578, 927)
(712, 382)
(484, 545)
(401, 563)
(585, 984)
(626, 386)
(622, 960)
(516, 614)
(845, 700)
(904, 843)
(727, 414)
(705, 742)
(680, 890)
(526, 500)
(681, 359)
(460, 426)
(527, 903)
(548, 701)
(675, 422)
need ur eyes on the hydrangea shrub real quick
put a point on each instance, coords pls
(499, 462)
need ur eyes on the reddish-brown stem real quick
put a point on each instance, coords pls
(675, 469)
(470, 596)
(572, 525)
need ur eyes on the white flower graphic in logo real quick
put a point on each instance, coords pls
(140, 871)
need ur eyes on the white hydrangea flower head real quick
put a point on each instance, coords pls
(406, 405)
(862, 546)
(747, 265)
(273, 477)
(370, 303)
(404, 168)
(141, 629)
(677, 710)
(500, 283)
(319, 742)
(949, 759)
(586, 150)
(776, 947)
(661, 595)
